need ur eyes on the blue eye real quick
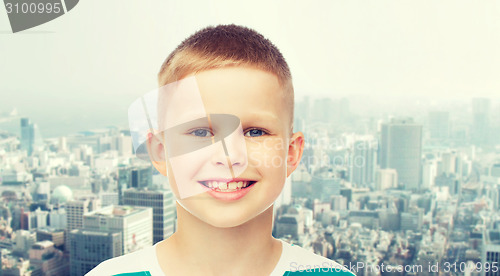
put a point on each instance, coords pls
(255, 132)
(201, 132)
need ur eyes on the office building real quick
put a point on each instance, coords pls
(448, 164)
(324, 188)
(448, 180)
(495, 170)
(40, 217)
(439, 125)
(23, 241)
(401, 149)
(363, 162)
(386, 179)
(58, 218)
(480, 130)
(163, 204)
(323, 110)
(291, 225)
(48, 259)
(139, 177)
(429, 173)
(366, 218)
(338, 203)
(109, 198)
(27, 135)
(74, 213)
(56, 236)
(303, 109)
(412, 220)
(135, 224)
(490, 251)
(89, 248)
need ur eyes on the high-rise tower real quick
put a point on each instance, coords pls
(163, 204)
(401, 149)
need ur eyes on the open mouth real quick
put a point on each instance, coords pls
(227, 187)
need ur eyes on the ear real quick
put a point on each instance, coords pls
(156, 151)
(295, 150)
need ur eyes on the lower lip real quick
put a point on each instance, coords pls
(229, 196)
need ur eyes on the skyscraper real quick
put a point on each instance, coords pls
(74, 214)
(303, 109)
(490, 251)
(401, 149)
(27, 135)
(480, 121)
(323, 111)
(163, 204)
(363, 162)
(429, 173)
(134, 177)
(439, 125)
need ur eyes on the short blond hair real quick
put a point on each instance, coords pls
(227, 46)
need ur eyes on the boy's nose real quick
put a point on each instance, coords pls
(229, 154)
(233, 163)
(232, 151)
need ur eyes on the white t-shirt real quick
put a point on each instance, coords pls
(145, 263)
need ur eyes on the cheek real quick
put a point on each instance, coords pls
(171, 181)
(182, 172)
(268, 156)
(186, 166)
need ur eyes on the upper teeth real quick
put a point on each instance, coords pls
(227, 185)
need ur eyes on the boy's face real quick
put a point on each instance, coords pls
(237, 125)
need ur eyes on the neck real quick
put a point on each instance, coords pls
(232, 250)
(193, 232)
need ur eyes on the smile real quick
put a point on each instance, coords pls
(227, 187)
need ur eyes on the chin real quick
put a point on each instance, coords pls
(226, 221)
(233, 219)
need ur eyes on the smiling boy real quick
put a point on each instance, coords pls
(225, 140)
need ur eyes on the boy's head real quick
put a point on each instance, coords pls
(225, 137)
(228, 46)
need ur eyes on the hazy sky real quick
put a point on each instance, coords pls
(94, 61)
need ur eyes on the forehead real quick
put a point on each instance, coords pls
(239, 85)
(240, 91)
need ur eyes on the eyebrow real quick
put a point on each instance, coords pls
(262, 115)
(183, 117)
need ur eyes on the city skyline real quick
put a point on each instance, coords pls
(53, 127)
(83, 64)
(398, 101)
(344, 202)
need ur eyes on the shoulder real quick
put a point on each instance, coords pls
(297, 259)
(141, 261)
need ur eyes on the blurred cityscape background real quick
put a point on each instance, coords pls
(408, 183)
